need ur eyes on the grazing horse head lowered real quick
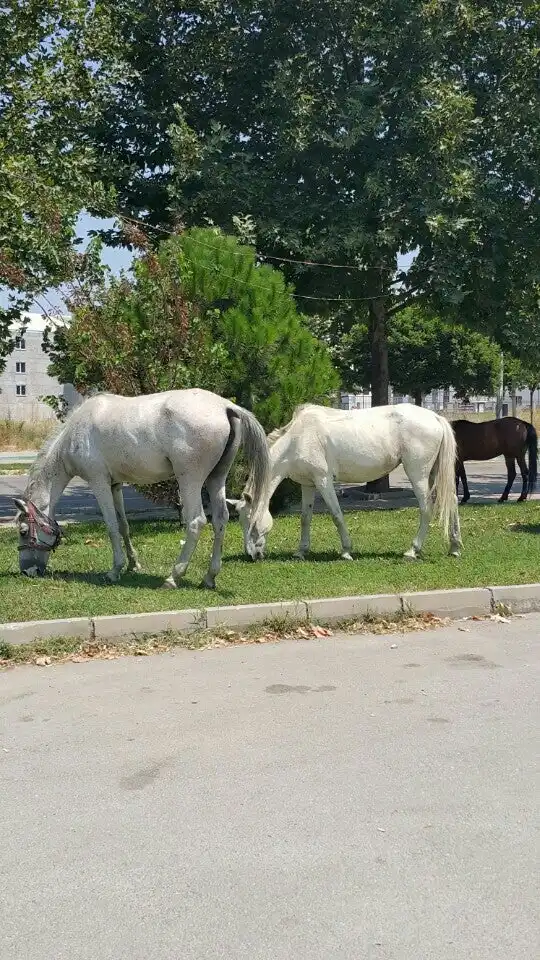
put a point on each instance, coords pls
(322, 444)
(192, 435)
(39, 535)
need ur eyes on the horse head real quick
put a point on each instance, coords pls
(39, 535)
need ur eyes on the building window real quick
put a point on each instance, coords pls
(20, 343)
(21, 389)
(20, 367)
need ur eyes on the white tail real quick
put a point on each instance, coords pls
(444, 479)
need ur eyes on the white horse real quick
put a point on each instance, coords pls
(109, 440)
(321, 444)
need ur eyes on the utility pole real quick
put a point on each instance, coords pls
(500, 391)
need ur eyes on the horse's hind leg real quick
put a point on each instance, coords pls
(308, 499)
(195, 520)
(421, 492)
(461, 475)
(220, 515)
(325, 486)
(118, 498)
(522, 464)
(511, 470)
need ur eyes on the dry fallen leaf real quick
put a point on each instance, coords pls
(43, 661)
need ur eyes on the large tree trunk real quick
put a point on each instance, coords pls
(514, 402)
(379, 372)
(418, 398)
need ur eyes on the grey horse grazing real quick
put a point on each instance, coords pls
(110, 440)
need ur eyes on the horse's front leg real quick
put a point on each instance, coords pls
(308, 499)
(104, 497)
(118, 498)
(325, 486)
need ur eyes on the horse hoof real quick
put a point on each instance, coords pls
(299, 556)
(466, 500)
(455, 552)
(169, 584)
(411, 554)
(134, 567)
(112, 576)
(346, 556)
(208, 583)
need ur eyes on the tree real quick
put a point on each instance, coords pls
(51, 71)
(351, 133)
(424, 354)
(199, 312)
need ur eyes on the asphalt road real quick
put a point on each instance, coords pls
(318, 800)
(486, 482)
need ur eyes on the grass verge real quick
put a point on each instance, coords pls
(501, 546)
(65, 649)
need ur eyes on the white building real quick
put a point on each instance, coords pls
(25, 379)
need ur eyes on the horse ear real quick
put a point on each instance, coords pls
(20, 504)
(233, 504)
(248, 498)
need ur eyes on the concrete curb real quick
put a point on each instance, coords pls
(463, 602)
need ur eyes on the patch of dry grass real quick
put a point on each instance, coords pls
(24, 434)
(44, 653)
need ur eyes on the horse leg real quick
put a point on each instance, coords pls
(325, 486)
(118, 497)
(522, 464)
(220, 515)
(461, 475)
(195, 520)
(308, 499)
(104, 496)
(511, 470)
(421, 492)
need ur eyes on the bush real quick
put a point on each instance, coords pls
(199, 311)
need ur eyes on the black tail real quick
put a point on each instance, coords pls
(532, 446)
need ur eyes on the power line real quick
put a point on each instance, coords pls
(297, 296)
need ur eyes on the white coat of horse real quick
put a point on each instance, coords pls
(110, 440)
(321, 445)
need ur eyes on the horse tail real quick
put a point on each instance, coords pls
(258, 460)
(444, 479)
(532, 446)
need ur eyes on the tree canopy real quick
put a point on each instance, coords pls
(351, 134)
(425, 354)
(51, 71)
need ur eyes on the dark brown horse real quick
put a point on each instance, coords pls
(482, 441)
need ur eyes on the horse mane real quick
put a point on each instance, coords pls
(279, 431)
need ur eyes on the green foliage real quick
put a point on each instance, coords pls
(51, 73)
(350, 133)
(199, 312)
(424, 354)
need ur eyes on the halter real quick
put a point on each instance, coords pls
(44, 533)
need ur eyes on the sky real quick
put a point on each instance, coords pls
(117, 258)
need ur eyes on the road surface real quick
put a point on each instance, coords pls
(486, 480)
(322, 800)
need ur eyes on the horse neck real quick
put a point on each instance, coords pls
(48, 479)
(278, 469)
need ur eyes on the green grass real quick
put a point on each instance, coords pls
(501, 545)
